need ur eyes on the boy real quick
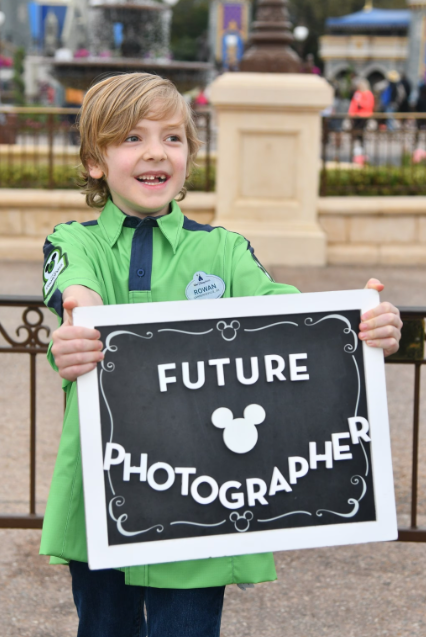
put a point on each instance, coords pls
(138, 143)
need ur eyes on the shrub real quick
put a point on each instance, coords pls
(37, 176)
(30, 176)
(374, 181)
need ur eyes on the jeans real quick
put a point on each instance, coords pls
(107, 607)
(391, 121)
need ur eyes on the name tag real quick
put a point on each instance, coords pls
(204, 286)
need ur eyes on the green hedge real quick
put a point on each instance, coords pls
(67, 176)
(374, 181)
(368, 181)
(37, 177)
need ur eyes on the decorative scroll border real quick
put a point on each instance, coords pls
(229, 332)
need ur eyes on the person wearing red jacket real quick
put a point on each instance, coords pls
(362, 107)
(362, 102)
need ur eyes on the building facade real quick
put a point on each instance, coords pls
(369, 43)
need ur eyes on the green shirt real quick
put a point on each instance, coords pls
(129, 260)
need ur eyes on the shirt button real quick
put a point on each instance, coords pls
(141, 272)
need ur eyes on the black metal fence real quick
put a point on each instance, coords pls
(384, 154)
(32, 336)
(39, 148)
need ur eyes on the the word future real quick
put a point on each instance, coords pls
(230, 494)
(274, 369)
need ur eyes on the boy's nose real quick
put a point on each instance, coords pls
(154, 152)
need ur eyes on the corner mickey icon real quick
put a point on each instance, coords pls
(240, 435)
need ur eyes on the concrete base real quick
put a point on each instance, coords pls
(374, 230)
(21, 249)
(27, 216)
(351, 231)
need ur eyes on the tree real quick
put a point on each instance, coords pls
(189, 29)
(18, 74)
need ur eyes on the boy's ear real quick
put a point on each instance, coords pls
(95, 171)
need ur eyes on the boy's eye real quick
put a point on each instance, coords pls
(173, 138)
(132, 138)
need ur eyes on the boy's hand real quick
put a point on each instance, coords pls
(381, 326)
(76, 350)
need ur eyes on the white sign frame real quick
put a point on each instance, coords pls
(101, 555)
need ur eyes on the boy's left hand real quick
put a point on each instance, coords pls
(381, 326)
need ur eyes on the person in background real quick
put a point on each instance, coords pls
(73, 99)
(404, 107)
(362, 102)
(393, 95)
(340, 106)
(420, 106)
(309, 65)
(360, 108)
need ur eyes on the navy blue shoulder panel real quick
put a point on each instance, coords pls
(48, 246)
(47, 249)
(249, 247)
(189, 224)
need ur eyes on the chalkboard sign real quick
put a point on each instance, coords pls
(233, 426)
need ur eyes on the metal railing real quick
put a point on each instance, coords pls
(384, 154)
(39, 148)
(31, 344)
(411, 353)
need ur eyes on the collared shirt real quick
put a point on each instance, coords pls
(130, 260)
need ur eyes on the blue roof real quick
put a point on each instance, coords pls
(374, 19)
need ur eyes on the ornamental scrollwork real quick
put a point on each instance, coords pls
(32, 329)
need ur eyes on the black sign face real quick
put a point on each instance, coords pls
(215, 427)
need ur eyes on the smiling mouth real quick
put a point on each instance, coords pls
(152, 180)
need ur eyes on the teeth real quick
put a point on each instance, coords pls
(152, 178)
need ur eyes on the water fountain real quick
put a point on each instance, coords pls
(123, 36)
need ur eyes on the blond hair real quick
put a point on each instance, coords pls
(112, 108)
(362, 84)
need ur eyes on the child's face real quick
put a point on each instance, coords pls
(147, 170)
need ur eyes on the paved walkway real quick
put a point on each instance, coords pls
(355, 591)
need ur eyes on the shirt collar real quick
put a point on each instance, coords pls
(112, 220)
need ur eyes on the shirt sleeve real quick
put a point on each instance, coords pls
(250, 278)
(66, 262)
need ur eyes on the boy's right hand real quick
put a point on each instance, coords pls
(76, 350)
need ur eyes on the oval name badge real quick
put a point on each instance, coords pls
(204, 286)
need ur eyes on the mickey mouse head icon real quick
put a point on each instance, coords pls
(240, 435)
(51, 263)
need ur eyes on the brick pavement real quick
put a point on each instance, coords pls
(356, 591)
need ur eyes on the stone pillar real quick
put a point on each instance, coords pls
(268, 162)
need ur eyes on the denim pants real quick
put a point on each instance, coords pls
(107, 607)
